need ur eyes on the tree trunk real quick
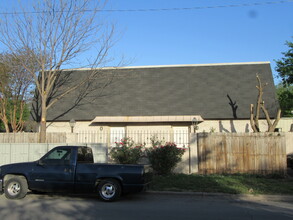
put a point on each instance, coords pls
(43, 132)
(43, 123)
(16, 117)
(3, 117)
(261, 105)
(5, 122)
(253, 126)
(272, 126)
(276, 120)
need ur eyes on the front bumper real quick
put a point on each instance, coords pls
(1, 186)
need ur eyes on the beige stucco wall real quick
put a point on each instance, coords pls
(238, 126)
(228, 126)
(142, 133)
(65, 127)
(289, 142)
(285, 124)
(207, 126)
(87, 126)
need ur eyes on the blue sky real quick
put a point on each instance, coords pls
(217, 35)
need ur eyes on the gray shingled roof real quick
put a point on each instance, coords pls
(204, 90)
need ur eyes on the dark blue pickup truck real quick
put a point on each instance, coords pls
(72, 169)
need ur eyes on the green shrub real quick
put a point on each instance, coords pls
(126, 152)
(164, 158)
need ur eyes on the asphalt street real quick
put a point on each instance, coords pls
(148, 205)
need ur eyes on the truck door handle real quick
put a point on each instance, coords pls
(67, 170)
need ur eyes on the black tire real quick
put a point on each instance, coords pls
(109, 190)
(16, 187)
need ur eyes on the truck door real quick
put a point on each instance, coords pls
(54, 172)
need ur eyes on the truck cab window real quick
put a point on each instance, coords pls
(84, 155)
(58, 157)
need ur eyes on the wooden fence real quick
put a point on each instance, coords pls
(24, 137)
(262, 153)
(138, 136)
(208, 153)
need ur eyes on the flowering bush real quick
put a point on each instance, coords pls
(126, 152)
(164, 158)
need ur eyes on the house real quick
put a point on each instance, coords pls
(170, 101)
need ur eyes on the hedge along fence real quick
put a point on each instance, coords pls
(257, 153)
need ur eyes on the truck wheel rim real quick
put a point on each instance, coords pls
(108, 190)
(13, 188)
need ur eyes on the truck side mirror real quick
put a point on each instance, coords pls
(41, 163)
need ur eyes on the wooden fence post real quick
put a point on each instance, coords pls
(193, 153)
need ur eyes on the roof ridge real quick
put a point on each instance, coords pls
(175, 65)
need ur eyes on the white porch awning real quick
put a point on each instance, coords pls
(133, 119)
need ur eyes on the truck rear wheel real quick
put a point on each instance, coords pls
(16, 187)
(109, 190)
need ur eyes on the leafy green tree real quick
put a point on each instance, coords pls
(285, 65)
(285, 97)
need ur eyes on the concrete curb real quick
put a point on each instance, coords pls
(261, 197)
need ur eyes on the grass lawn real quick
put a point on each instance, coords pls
(233, 184)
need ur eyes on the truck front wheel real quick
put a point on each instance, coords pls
(109, 190)
(16, 187)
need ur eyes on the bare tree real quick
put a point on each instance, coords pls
(260, 105)
(16, 88)
(59, 33)
(3, 96)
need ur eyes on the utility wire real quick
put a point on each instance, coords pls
(161, 9)
(197, 8)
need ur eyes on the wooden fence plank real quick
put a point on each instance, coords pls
(22, 137)
(261, 153)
